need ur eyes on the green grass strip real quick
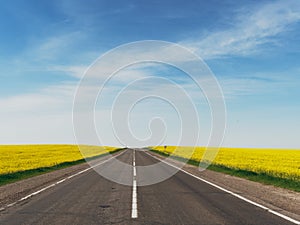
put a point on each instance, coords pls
(250, 175)
(20, 175)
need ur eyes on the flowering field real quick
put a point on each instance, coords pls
(16, 158)
(281, 163)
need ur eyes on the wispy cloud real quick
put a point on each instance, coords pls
(76, 71)
(259, 84)
(50, 53)
(55, 46)
(50, 100)
(250, 30)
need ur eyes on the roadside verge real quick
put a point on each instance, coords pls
(263, 178)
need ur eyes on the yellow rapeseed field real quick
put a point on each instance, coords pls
(283, 163)
(14, 158)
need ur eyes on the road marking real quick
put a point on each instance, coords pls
(230, 192)
(134, 213)
(58, 182)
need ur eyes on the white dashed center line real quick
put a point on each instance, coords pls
(134, 213)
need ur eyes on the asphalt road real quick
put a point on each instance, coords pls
(91, 199)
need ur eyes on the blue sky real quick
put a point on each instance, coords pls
(252, 48)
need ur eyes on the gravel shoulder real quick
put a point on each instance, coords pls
(281, 200)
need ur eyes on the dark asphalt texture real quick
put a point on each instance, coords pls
(91, 199)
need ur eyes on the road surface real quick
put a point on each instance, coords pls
(91, 199)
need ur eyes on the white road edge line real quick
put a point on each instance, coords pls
(58, 182)
(232, 193)
(134, 211)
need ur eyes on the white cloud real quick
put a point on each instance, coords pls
(56, 46)
(51, 100)
(36, 128)
(251, 29)
(42, 117)
(76, 71)
(46, 116)
(52, 53)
